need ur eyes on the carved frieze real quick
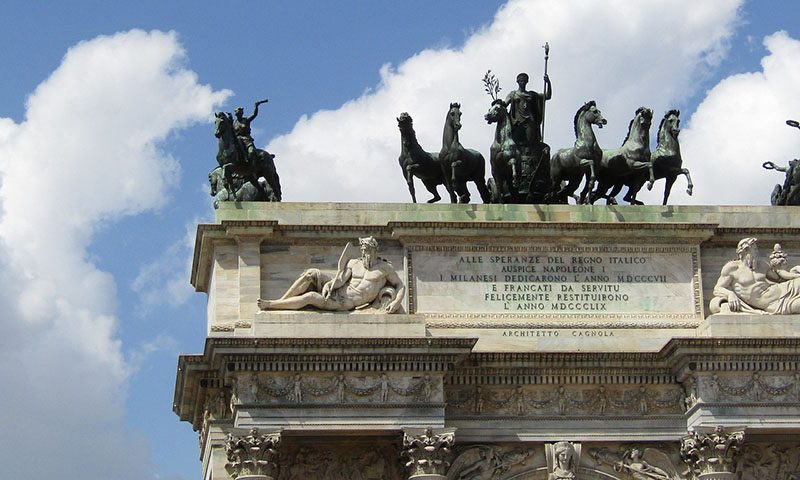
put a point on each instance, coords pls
(313, 388)
(778, 461)
(640, 461)
(748, 387)
(486, 462)
(340, 461)
(563, 400)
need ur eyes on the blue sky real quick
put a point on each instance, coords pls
(96, 302)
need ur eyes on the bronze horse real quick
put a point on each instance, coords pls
(459, 164)
(232, 159)
(570, 164)
(628, 160)
(416, 162)
(505, 156)
(666, 159)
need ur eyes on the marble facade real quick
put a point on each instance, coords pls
(534, 342)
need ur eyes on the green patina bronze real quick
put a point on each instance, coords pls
(245, 173)
(789, 192)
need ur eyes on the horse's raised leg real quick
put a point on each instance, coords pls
(688, 179)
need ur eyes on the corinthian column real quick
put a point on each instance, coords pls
(714, 455)
(428, 453)
(253, 456)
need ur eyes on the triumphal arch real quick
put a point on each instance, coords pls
(502, 341)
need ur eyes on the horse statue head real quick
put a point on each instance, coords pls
(670, 124)
(640, 122)
(222, 122)
(404, 120)
(497, 112)
(454, 116)
(406, 124)
(591, 114)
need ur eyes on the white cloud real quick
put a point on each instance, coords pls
(740, 125)
(621, 54)
(87, 152)
(165, 280)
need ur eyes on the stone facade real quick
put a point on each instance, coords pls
(533, 342)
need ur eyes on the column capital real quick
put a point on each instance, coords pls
(253, 456)
(713, 455)
(428, 452)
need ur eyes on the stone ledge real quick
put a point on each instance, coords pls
(742, 325)
(336, 325)
(328, 213)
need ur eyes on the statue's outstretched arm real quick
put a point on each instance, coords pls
(255, 110)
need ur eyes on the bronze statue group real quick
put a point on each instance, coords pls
(245, 173)
(522, 167)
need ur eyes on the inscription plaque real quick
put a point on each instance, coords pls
(583, 279)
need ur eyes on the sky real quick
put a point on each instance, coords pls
(106, 139)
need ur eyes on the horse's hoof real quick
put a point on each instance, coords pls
(689, 191)
(649, 185)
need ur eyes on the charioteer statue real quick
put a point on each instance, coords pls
(526, 110)
(520, 160)
(245, 173)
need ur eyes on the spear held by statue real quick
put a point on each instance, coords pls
(546, 47)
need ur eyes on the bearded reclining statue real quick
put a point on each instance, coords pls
(367, 281)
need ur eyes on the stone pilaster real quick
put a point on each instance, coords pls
(249, 275)
(253, 456)
(713, 455)
(427, 452)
